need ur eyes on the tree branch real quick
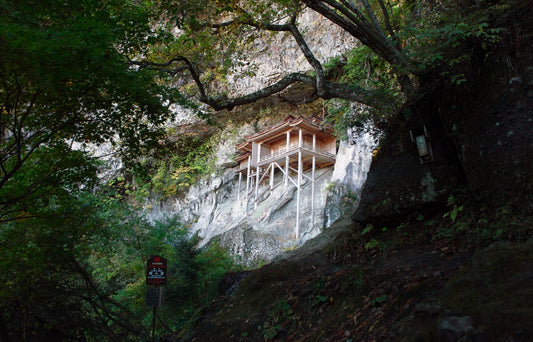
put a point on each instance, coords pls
(330, 90)
(189, 65)
(370, 35)
(103, 299)
(319, 86)
(343, 13)
(363, 30)
(386, 18)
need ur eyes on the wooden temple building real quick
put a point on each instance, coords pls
(289, 148)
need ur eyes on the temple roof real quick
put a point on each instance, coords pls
(310, 126)
(243, 156)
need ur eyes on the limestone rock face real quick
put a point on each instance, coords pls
(486, 148)
(258, 231)
(274, 56)
(351, 167)
(399, 185)
(497, 155)
(249, 245)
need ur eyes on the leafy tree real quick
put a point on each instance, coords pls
(64, 79)
(228, 25)
(71, 260)
(75, 270)
(49, 290)
(403, 37)
(175, 167)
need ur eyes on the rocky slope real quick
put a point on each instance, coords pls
(438, 251)
(349, 290)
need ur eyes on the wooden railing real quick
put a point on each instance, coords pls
(319, 148)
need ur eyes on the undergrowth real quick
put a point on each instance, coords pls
(464, 223)
(469, 222)
(176, 167)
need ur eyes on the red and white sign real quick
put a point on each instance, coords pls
(156, 271)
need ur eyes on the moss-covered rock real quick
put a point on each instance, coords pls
(495, 290)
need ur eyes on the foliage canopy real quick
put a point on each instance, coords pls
(64, 79)
(79, 72)
(75, 271)
(72, 252)
(401, 43)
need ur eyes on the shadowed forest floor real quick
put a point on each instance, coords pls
(370, 284)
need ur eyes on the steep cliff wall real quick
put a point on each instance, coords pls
(409, 268)
(258, 232)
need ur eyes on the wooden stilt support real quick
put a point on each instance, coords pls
(299, 183)
(286, 171)
(298, 134)
(256, 196)
(288, 145)
(313, 195)
(313, 185)
(257, 172)
(248, 182)
(272, 176)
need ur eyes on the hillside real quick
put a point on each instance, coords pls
(427, 271)
(437, 251)
(376, 287)
(316, 170)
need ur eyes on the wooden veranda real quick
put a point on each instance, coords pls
(291, 147)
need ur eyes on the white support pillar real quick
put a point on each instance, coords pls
(286, 179)
(313, 193)
(257, 172)
(313, 185)
(256, 196)
(286, 171)
(299, 184)
(271, 176)
(248, 181)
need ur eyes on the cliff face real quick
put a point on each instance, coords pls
(421, 261)
(437, 249)
(272, 56)
(472, 144)
(257, 232)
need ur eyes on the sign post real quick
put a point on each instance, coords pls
(156, 271)
(156, 278)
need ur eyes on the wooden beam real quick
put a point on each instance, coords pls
(287, 147)
(248, 181)
(257, 172)
(313, 195)
(300, 170)
(239, 191)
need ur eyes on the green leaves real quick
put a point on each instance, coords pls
(188, 158)
(451, 41)
(43, 260)
(71, 257)
(52, 170)
(77, 263)
(64, 77)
